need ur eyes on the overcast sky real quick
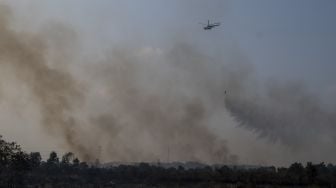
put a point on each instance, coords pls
(283, 38)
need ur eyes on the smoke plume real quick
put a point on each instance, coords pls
(149, 104)
(146, 116)
(55, 90)
(157, 106)
(285, 112)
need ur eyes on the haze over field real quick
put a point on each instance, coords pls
(142, 81)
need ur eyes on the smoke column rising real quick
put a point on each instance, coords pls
(138, 104)
(55, 90)
(139, 126)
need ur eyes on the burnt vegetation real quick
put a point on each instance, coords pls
(21, 169)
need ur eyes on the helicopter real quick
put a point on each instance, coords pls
(210, 25)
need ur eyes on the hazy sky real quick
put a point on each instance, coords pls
(284, 40)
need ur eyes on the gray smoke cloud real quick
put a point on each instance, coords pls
(285, 112)
(140, 123)
(149, 104)
(55, 90)
(157, 105)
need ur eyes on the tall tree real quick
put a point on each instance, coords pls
(53, 158)
(35, 159)
(67, 158)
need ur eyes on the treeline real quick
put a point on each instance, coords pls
(20, 169)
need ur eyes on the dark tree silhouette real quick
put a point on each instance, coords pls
(67, 158)
(35, 159)
(19, 169)
(53, 159)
